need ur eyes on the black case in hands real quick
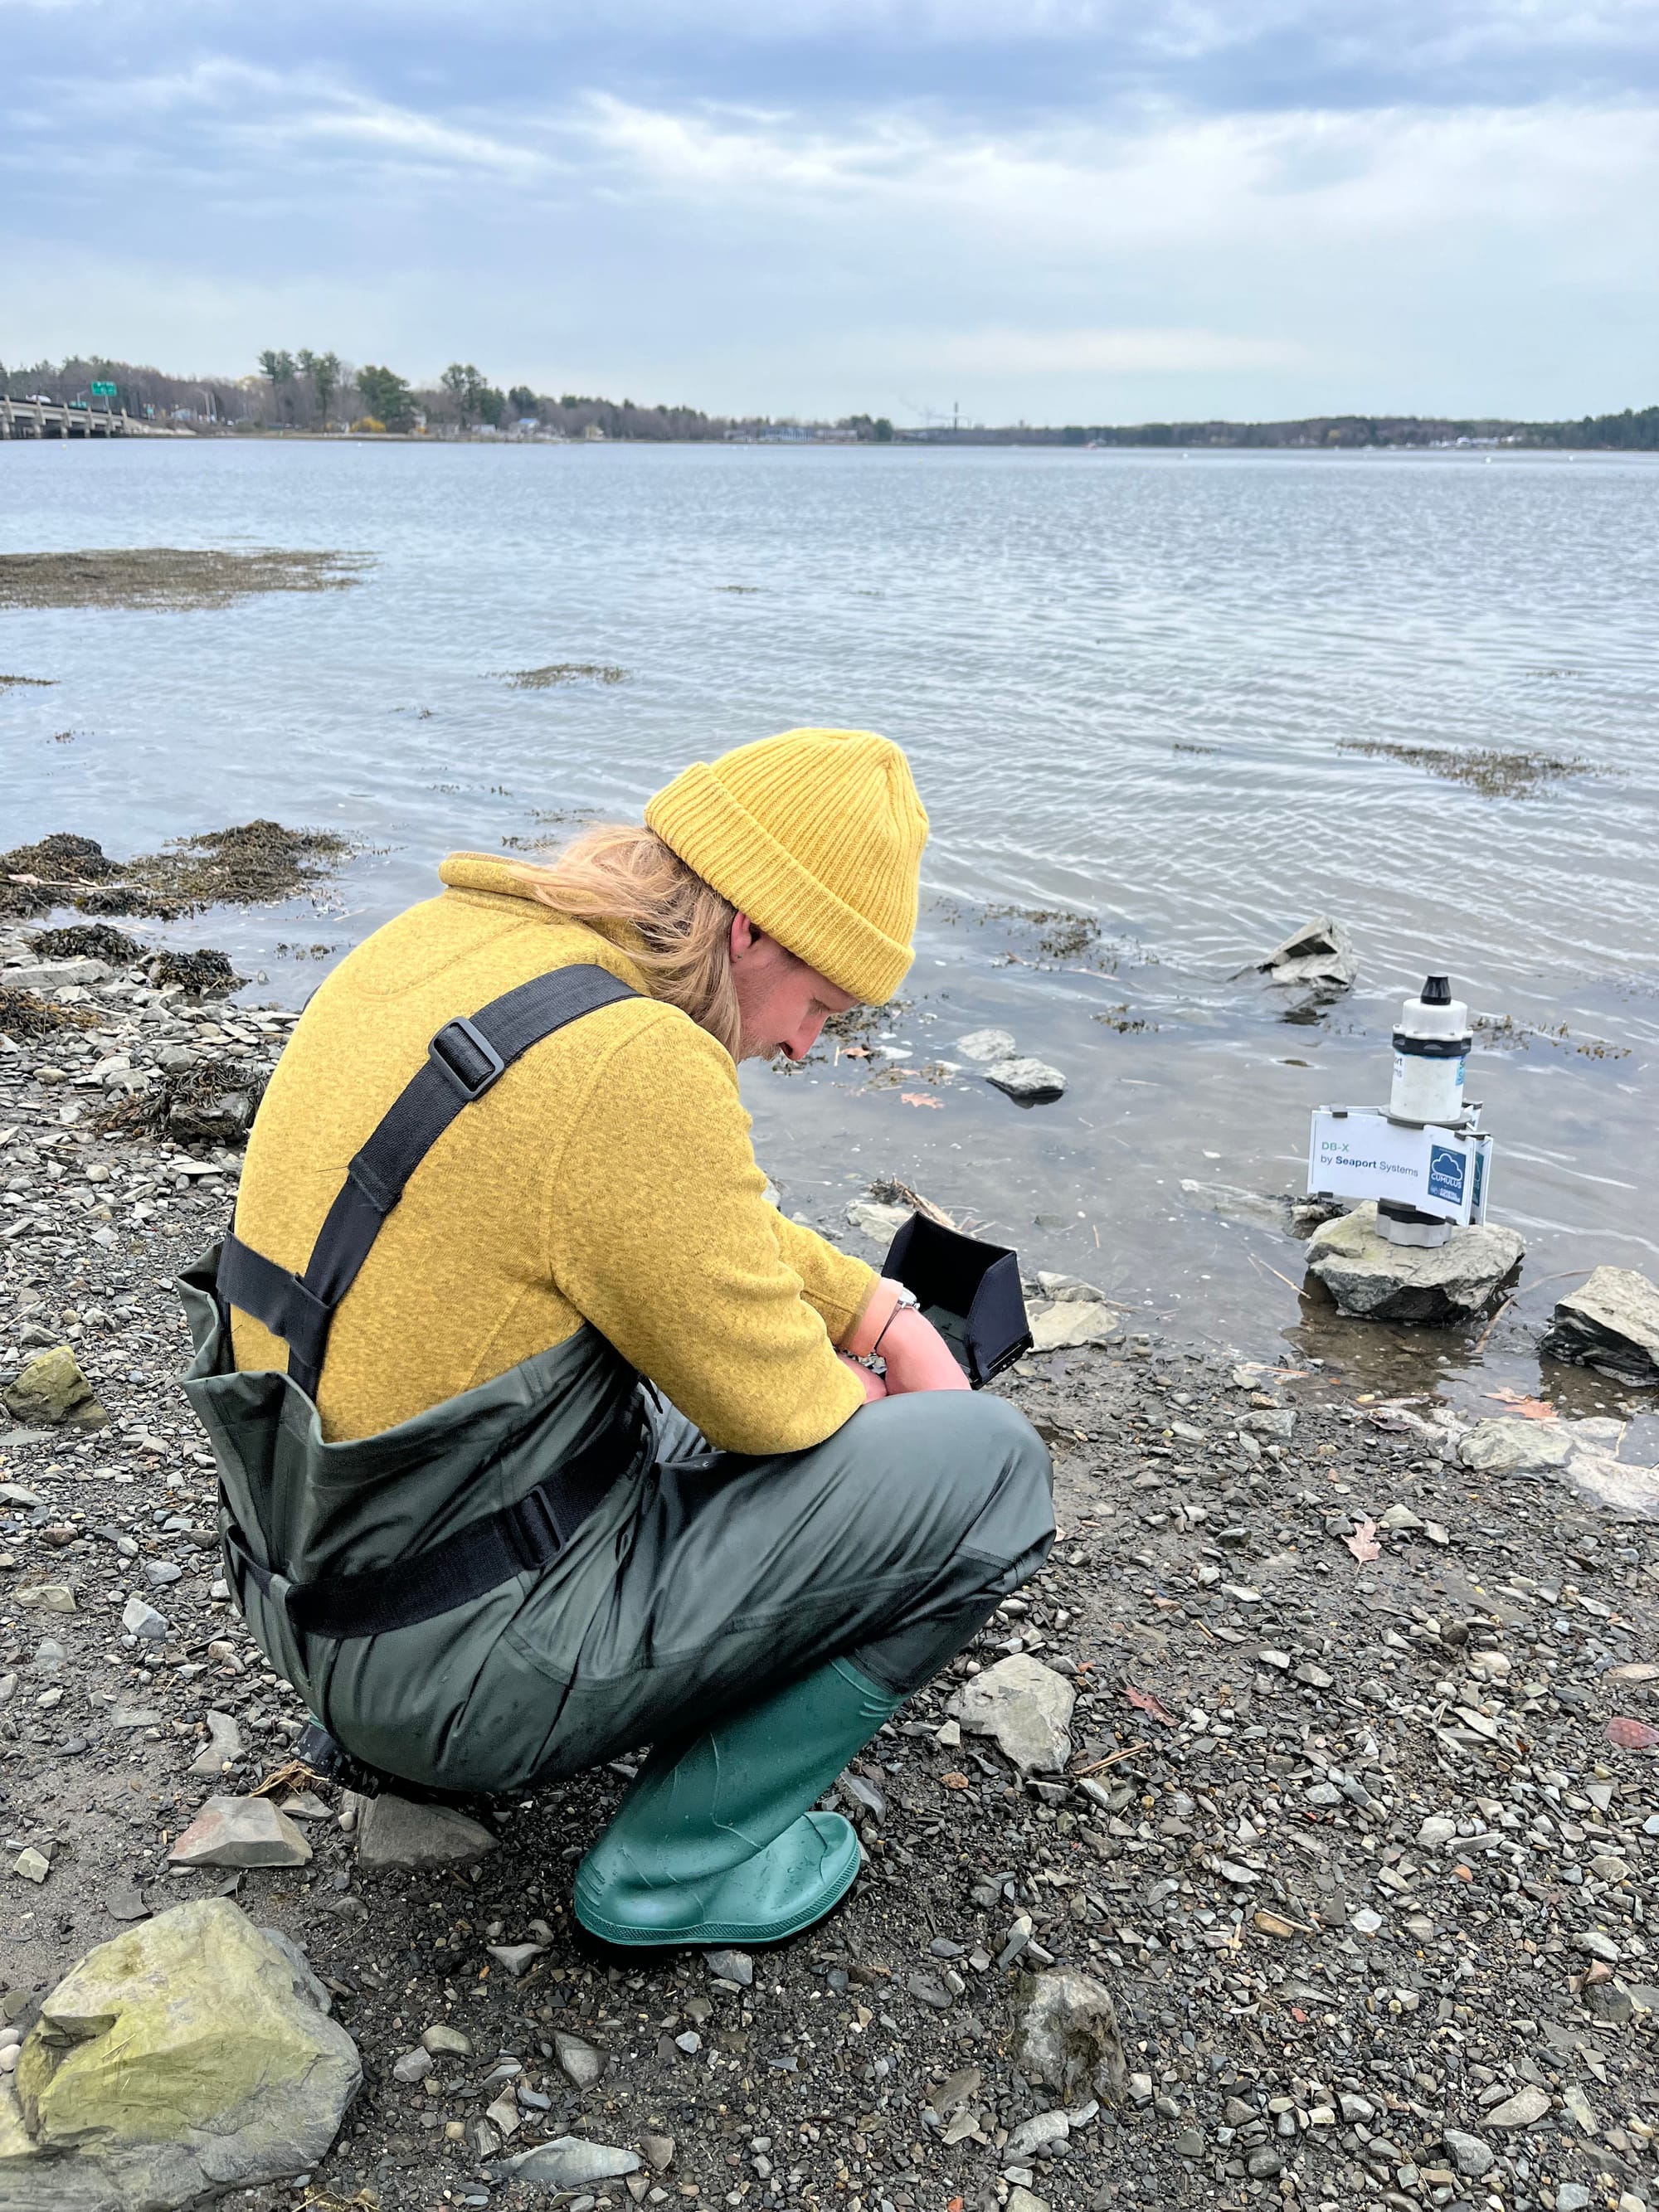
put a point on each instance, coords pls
(969, 1292)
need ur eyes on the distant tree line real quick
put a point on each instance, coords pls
(308, 392)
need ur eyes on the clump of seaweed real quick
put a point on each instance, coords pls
(251, 865)
(561, 672)
(195, 1106)
(1488, 769)
(169, 576)
(88, 940)
(26, 1014)
(34, 879)
(201, 974)
(34, 682)
(1062, 934)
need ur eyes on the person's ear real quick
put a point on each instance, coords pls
(743, 936)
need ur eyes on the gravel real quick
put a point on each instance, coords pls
(1343, 1840)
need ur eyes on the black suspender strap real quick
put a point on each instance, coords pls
(519, 1538)
(465, 1058)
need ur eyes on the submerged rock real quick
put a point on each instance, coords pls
(987, 1044)
(1319, 953)
(1611, 1323)
(188, 2055)
(1066, 2035)
(52, 1393)
(1262, 1209)
(1027, 1082)
(1372, 1279)
(1026, 1706)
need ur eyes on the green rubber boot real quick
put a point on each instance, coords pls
(716, 1844)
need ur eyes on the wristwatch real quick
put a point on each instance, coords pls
(906, 1299)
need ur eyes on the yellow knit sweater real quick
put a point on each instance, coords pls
(608, 1177)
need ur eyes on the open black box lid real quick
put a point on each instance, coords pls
(968, 1289)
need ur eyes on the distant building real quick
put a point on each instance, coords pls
(593, 435)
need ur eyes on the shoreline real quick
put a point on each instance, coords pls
(1335, 1825)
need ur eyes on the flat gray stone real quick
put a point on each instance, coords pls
(731, 1967)
(240, 1831)
(1066, 2036)
(570, 2162)
(140, 1619)
(397, 1831)
(1523, 2110)
(1469, 2154)
(1026, 1707)
(1371, 1279)
(1027, 1082)
(517, 1957)
(223, 1746)
(578, 2060)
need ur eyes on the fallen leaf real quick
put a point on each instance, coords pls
(953, 1781)
(1145, 1701)
(1631, 1734)
(1529, 1409)
(920, 1098)
(1363, 1543)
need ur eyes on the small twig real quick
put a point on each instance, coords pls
(1480, 1341)
(1285, 1279)
(1111, 1759)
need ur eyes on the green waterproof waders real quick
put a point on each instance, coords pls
(553, 1568)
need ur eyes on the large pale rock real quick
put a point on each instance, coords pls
(396, 1832)
(52, 1393)
(240, 1831)
(1319, 953)
(54, 974)
(1516, 1447)
(1026, 1706)
(879, 1223)
(1027, 1082)
(1372, 1279)
(1611, 1322)
(1066, 2036)
(188, 2055)
(570, 2162)
(1067, 1322)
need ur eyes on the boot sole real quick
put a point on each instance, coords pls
(709, 1934)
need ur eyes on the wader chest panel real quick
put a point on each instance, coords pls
(420, 1580)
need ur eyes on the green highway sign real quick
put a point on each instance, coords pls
(103, 392)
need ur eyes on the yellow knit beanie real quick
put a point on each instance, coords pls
(815, 834)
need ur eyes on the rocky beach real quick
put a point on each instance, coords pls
(1292, 1836)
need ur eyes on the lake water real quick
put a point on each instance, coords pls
(1125, 682)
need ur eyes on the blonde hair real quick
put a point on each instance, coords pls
(680, 927)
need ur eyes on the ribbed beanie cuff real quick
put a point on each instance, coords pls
(831, 870)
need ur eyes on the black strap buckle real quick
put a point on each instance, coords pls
(533, 1532)
(465, 1058)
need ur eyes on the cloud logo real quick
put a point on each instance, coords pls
(1447, 1169)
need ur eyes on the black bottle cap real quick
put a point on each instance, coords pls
(1437, 992)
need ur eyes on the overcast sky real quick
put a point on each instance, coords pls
(1056, 210)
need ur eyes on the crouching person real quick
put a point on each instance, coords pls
(542, 1435)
